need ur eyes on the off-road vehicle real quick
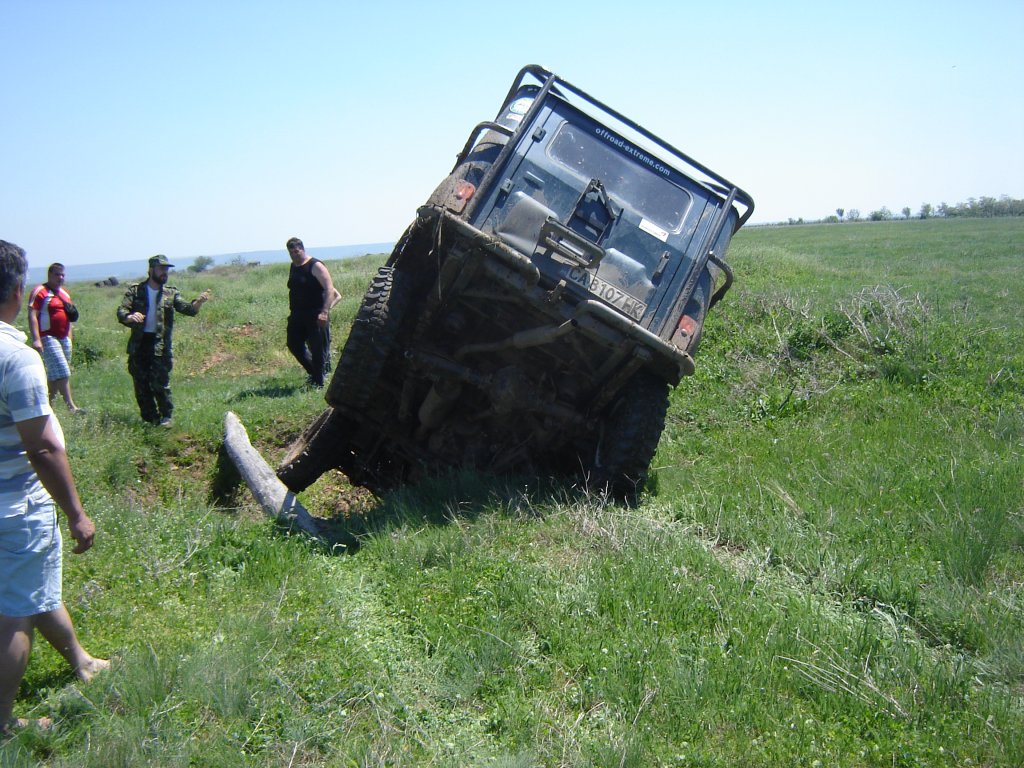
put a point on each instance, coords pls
(538, 310)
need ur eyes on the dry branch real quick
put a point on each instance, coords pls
(271, 494)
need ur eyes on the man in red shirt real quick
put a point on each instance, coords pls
(50, 330)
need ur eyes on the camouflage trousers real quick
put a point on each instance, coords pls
(151, 375)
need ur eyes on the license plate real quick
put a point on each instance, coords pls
(618, 298)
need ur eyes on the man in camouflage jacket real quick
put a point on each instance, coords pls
(148, 309)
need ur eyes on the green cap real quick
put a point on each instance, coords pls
(159, 261)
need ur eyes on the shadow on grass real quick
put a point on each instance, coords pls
(457, 495)
(226, 481)
(107, 419)
(54, 679)
(267, 390)
(347, 515)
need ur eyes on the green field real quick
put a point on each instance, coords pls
(826, 571)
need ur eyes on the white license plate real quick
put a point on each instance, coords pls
(629, 305)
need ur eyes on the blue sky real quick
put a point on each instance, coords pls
(192, 128)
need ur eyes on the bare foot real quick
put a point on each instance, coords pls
(17, 723)
(91, 668)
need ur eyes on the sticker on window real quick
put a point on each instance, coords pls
(653, 229)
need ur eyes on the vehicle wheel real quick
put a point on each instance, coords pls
(629, 437)
(372, 340)
(321, 447)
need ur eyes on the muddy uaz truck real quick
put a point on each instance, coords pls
(536, 313)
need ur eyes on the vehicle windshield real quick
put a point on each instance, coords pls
(631, 184)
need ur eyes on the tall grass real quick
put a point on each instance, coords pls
(827, 570)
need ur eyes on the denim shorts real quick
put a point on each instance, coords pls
(30, 559)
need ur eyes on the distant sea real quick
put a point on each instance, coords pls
(137, 268)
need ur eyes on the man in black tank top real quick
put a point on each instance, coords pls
(310, 292)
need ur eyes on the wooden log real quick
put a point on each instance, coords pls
(271, 494)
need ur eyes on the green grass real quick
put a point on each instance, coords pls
(827, 570)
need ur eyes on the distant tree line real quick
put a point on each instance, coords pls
(980, 207)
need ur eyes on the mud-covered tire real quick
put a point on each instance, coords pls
(321, 447)
(371, 341)
(629, 437)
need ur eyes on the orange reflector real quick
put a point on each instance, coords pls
(687, 325)
(464, 190)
